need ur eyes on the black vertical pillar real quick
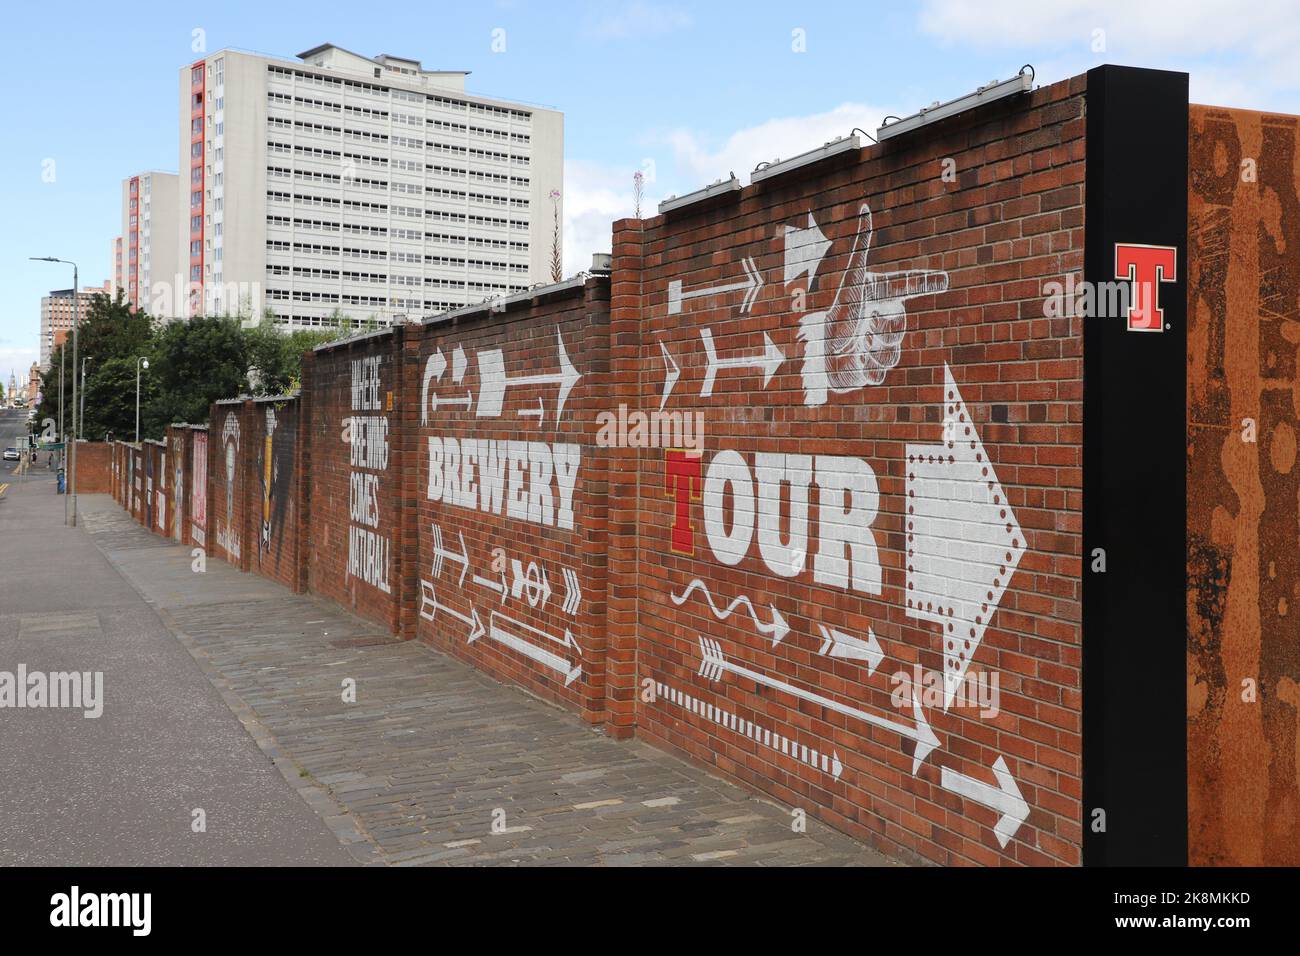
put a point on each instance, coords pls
(1134, 473)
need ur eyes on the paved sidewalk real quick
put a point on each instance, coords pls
(120, 789)
(417, 770)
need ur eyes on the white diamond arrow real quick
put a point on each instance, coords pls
(493, 380)
(963, 540)
(839, 644)
(1004, 799)
(804, 249)
(714, 664)
(769, 360)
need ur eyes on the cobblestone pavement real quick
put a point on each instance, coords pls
(433, 752)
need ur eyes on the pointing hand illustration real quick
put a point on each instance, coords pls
(859, 339)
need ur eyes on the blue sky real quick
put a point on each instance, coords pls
(689, 91)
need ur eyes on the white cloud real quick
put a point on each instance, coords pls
(596, 194)
(778, 138)
(17, 360)
(637, 19)
(1237, 53)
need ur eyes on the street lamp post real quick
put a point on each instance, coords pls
(141, 361)
(76, 322)
(81, 412)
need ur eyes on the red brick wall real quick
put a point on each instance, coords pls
(765, 517)
(271, 488)
(355, 395)
(744, 591)
(228, 452)
(136, 481)
(512, 498)
(94, 468)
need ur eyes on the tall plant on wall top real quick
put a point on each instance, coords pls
(557, 264)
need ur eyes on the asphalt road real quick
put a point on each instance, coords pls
(122, 788)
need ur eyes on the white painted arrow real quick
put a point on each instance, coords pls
(536, 585)
(541, 655)
(493, 380)
(763, 736)
(539, 412)
(752, 284)
(777, 627)
(769, 361)
(842, 645)
(433, 369)
(963, 540)
(498, 586)
(458, 363)
(572, 592)
(1004, 799)
(671, 374)
(467, 402)
(429, 608)
(804, 249)
(713, 665)
(440, 554)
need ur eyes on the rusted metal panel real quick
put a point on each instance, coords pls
(1243, 488)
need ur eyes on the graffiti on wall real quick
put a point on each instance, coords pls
(528, 481)
(148, 488)
(275, 464)
(366, 432)
(199, 489)
(160, 511)
(227, 535)
(178, 486)
(814, 517)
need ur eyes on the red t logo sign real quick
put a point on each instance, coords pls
(1145, 267)
(682, 483)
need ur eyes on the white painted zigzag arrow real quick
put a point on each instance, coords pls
(777, 627)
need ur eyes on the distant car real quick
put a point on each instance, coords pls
(11, 454)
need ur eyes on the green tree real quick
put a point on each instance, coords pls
(195, 363)
(110, 400)
(275, 355)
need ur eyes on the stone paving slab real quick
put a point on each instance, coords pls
(437, 763)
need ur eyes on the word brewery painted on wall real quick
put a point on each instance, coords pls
(526, 480)
(367, 436)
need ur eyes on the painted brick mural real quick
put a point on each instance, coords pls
(796, 488)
